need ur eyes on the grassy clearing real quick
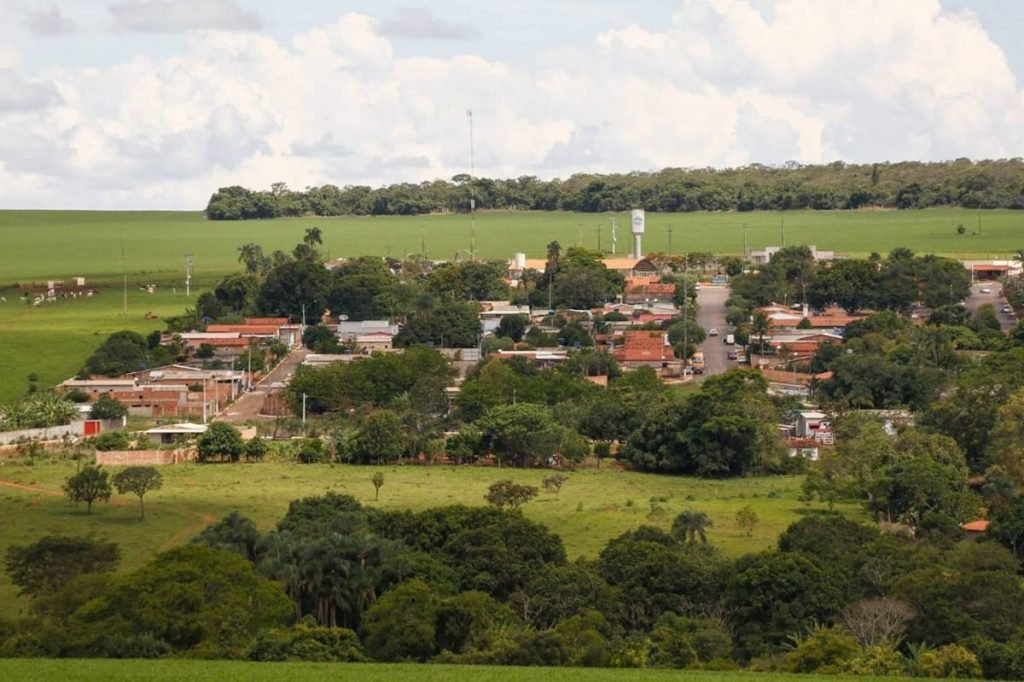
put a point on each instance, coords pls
(594, 505)
(185, 670)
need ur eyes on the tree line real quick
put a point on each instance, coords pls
(335, 580)
(838, 185)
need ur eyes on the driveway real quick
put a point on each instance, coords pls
(995, 296)
(711, 314)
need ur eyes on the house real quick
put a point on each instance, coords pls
(171, 433)
(765, 256)
(645, 349)
(814, 425)
(974, 529)
(627, 267)
(641, 291)
(543, 357)
(263, 329)
(349, 330)
(374, 341)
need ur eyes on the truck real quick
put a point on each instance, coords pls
(730, 339)
(697, 362)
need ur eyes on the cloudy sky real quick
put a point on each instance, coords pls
(156, 103)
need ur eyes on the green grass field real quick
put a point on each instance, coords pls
(594, 505)
(229, 671)
(40, 244)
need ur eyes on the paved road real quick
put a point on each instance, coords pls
(711, 314)
(248, 405)
(977, 299)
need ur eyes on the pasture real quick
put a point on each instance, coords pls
(594, 505)
(183, 670)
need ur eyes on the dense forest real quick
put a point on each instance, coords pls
(838, 185)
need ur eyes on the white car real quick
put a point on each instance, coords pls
(986, 290)
(712, 332)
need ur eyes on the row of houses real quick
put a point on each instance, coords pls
(174, 391)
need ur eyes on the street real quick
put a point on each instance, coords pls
(995, 296)
(248, 404)
(711, 314)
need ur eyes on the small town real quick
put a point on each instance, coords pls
(669, 340)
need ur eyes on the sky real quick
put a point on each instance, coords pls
(154, 104)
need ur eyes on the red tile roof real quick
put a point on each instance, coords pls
(266, 320)
(267, 329)
(645, 346)
(978, 526)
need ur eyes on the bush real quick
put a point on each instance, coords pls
(307, 641)
(106, 407)
(310, 451)
(951, 660)
(256, 449)
(112, 440)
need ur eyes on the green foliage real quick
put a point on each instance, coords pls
(522, 433)
(221, 440)
(198, 600)
(508, 494)
(122, 352)
(44, 566)
(307, 641)
(747, 518)
(513, 327)
(379, 438)
(951, 660)
(106, 407)
(88, 485)
(138, 480)
(402, 624)
(233, 533)
(725, 429)
(295, 288)
(256, 449)
(448, 324)
(680, 642)
(39, 410)
(691, 526)
(320, 339)
(112, 440)
(824, 650)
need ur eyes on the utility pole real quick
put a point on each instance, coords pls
(303, 413)
(686, 318)
(782, 223)
(599, 239)
(746, 249)
(670, 240)
(614, 236)
(472, 191)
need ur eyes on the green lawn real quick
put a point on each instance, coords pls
(594, 505)
(225, 671)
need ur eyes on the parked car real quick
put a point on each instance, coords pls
(1007, 309)
(730, 339)
(732, 355)
(986, 290)
(712, 332)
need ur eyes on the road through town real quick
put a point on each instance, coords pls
(711, 315)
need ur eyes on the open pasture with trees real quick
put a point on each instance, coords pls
(215, 671)
(591, 507)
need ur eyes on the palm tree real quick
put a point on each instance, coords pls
(251, 255)
(691, 525)
(314, 237)
(760, 325)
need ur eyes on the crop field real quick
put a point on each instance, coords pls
(220, 671)
(40, 244)
(594, 506)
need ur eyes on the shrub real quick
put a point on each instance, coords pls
(112, 440)
(951, 660)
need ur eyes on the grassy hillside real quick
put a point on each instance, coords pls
(594, 505)
(197, 671)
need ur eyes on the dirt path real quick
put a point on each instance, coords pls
(199, 520)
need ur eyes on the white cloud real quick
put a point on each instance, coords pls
(728, 82)
(175, 16)
(49, 22)
(422, 23)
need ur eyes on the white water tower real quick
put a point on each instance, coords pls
(636, 226)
